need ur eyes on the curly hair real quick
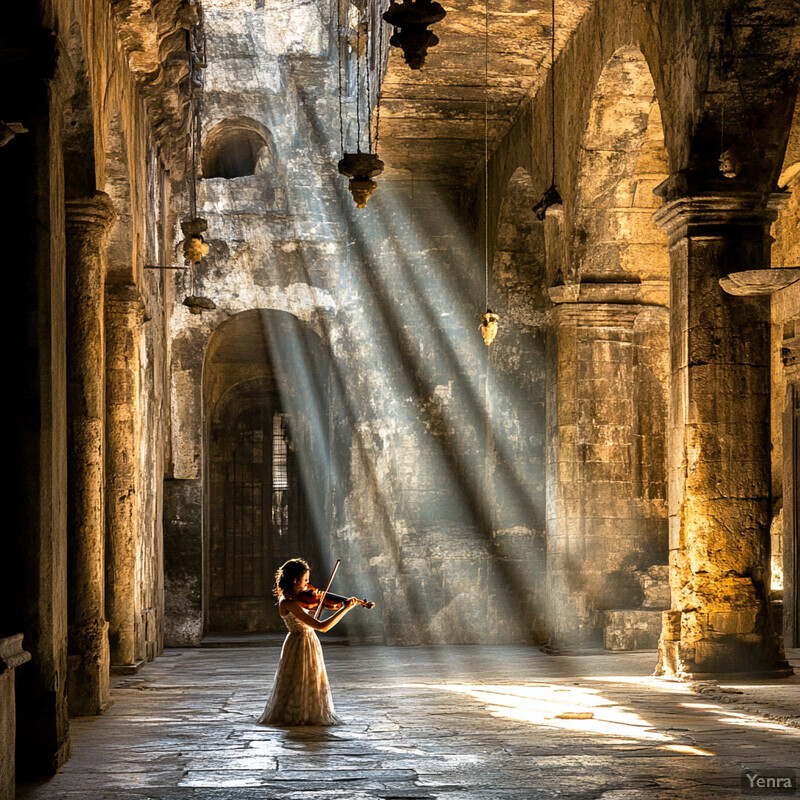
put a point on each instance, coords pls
(286, 575)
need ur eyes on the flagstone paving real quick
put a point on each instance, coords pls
(484, 723)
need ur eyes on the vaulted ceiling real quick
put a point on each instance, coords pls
(432, 120)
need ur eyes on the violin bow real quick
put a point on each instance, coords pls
(330, 581)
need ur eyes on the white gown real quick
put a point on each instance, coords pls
(300, 694)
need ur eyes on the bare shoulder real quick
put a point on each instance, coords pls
(287, 606)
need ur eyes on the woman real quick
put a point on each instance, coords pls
(300, 693)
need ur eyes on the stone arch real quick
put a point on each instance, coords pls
(265, 388)
(236, 147)
(622, 160)
(609, 366)
(241, 150)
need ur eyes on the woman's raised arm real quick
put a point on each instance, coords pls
(317, 624)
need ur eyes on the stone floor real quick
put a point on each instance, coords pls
(454, 722)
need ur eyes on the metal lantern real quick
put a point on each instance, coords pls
(489, 326)
(194, 245)
(361, 168)
(411, 19)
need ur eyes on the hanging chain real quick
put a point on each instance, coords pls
(339, 52)
(381, 76)
(553, 92)
(358, 81)
(368, 68)
(486, 152)
(192, 129)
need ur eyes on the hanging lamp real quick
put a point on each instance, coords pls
(551, 196)
(361, 167)
(410, 19)
(489, 320)
(195, 247)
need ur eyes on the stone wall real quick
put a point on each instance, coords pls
(103, 101)
(436, 513)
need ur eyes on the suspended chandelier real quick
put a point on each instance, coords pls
(410, 19)
(361, 167)
(195, 247)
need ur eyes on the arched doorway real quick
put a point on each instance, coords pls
(608, 354)
(266, 477)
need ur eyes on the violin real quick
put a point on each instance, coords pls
(310, 597)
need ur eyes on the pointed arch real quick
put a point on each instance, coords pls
(623, 159)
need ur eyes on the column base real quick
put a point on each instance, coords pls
(723, 661)
(127, 669)
(735, 676)
(88, 688)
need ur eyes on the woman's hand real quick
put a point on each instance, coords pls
(351, 601)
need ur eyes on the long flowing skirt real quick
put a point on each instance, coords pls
(300, 694)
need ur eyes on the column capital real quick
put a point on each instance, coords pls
(649, 293)
(91, 216)
(11, 653)
(125, 299)
(708, 211)
(602, 315)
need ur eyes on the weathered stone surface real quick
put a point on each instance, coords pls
(87, 223)
(599, 529)
(718, 551)
(12, 656)
(631, 629)
(441, 468)
(655, 586)
(124, 309)
(457, 722)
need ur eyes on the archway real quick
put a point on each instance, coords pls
(236, 147)
(266, 479)
(609, 366)
(623, 159)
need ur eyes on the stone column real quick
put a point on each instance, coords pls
(124, 315)
(601, 531)
(719, 443)
(11, 656)
(87, 221)
(790, 355)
